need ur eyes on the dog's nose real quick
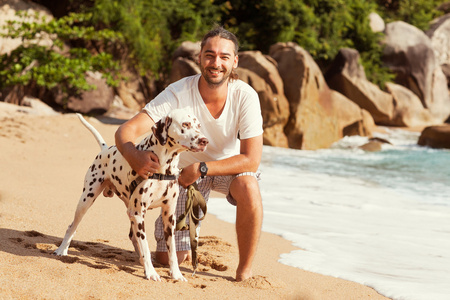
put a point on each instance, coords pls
(203, 141)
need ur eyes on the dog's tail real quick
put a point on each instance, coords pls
(94, 131)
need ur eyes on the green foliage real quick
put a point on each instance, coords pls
(418, 13)
(154, 28)
(321, 27)
(49, 66)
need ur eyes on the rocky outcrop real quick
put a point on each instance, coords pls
(96, 101)
(409, 54)
(408, 109)
(439, 34)
(274, 112)
(261, 72)
(8, 9)
(184, 61)
(347, 76)
(313, 121)
(435, 137)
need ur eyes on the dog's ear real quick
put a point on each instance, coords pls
(161, 128)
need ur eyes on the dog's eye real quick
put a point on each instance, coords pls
(186, 125)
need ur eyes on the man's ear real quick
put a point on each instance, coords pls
(161, 129)
(236, 60)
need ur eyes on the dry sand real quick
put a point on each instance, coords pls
(43, 160)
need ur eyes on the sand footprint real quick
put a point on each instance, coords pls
(260, 282)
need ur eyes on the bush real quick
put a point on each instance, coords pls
(50, 66)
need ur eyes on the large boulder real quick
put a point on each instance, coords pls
(346, 75)
(409, 54)
(439, 34)
(314, 121)
(8, 9)
(274, 105)
(96, 101)
(185, 61)
(435, 137)
(274, 112)
(408, 109)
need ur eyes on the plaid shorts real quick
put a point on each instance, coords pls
(219, 184)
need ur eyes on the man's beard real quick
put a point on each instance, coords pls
(213, 81)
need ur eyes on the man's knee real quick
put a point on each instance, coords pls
(245, 189)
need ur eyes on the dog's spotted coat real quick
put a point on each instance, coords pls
(111, 173)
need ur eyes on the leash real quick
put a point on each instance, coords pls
(194, 201)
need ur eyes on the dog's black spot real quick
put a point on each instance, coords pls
(133, 173)
(141, 191)
(120, 168)
(165, 201)
(170, 218)
(90, 195)
(114, 161)
(135, 202)
(138, 234)
(114, 169)
(115, 151)
(130, 235)
(92, 168)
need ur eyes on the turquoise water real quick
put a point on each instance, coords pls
(381, 219)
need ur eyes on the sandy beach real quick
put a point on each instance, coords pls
(43, 161)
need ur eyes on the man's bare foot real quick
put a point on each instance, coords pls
(241, 276)
(163, 258)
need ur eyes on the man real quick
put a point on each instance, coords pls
(230, 115)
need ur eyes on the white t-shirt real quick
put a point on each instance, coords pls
(241, 115)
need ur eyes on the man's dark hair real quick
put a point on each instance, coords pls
(224, 34)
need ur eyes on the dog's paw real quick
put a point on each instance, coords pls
(60, 252)
(176, 275)
(152, 276)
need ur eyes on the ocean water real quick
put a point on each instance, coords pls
(381, 219)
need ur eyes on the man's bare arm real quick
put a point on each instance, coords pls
(247, 161)
(142, 162)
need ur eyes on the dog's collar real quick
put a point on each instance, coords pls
(162, 177)
(157, 176)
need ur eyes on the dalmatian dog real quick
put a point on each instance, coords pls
(111, 173)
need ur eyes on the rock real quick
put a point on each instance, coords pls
(189, 50)
(435, 137)
(351, 118)
(8, 9)
(439, 34)
(261, 72)
(409, 54)
(372, 146)
(347, 76)
(31, 106)
(183, 67)
(97, 101)
(314, 121)
(376, 23)
(408, 109)
(275, 113)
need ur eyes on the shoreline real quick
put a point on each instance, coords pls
(44, 159)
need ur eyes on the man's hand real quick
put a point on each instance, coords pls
(145, 163)
(189, 175)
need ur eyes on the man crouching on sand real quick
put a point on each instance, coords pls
(230, 114)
